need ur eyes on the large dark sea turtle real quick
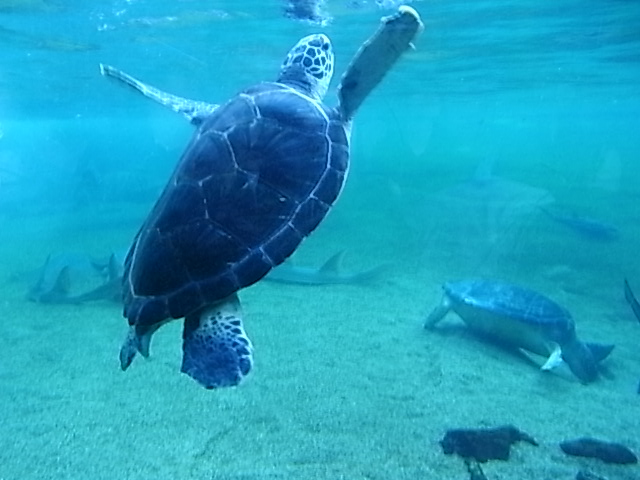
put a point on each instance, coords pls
(521, 318)
(259, 175)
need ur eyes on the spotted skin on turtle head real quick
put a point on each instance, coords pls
(314, 54)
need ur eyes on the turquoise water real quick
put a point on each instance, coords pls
(505, 145)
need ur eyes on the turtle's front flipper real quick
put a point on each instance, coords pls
(438, 313)
(194, 110)
(216, 349)
(376, 57)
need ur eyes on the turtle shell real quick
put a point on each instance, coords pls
(259, 175)
(514, 302)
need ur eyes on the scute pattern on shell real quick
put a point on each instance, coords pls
(509, 300)
(259, 175)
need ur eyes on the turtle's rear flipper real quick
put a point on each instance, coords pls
(194, 110)
(585, 359)
(438, 313)
(600, 351)
(216, 349)
(581, 360)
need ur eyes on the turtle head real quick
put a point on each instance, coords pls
(309, 66)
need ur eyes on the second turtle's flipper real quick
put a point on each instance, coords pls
(554, 360)
(216, 349)
(195, 111)
(586, 362)
(438, 313)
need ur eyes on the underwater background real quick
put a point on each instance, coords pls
(504, 146)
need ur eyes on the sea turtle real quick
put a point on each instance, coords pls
(259, 175)
(521, 318)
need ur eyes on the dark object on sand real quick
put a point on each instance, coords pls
(474, 469)
(608, 452)
(587, 475)
(484, 444)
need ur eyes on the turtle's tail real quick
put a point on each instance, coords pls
(129, 348)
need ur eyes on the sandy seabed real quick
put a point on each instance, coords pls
(346, 383)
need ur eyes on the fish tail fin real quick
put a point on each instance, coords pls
(334, 264)
(600, 351)
(59, 291)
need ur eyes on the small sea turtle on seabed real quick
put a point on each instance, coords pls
(521, 318)
(260, 174)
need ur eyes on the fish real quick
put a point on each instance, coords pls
(328, 274)
(74, 278)
(54, 290)
(60, 281)
(110, 290)
(631, 298)
(482, 220)
(54, 280)
(587, 227)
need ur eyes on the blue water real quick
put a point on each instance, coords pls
(503, 111)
